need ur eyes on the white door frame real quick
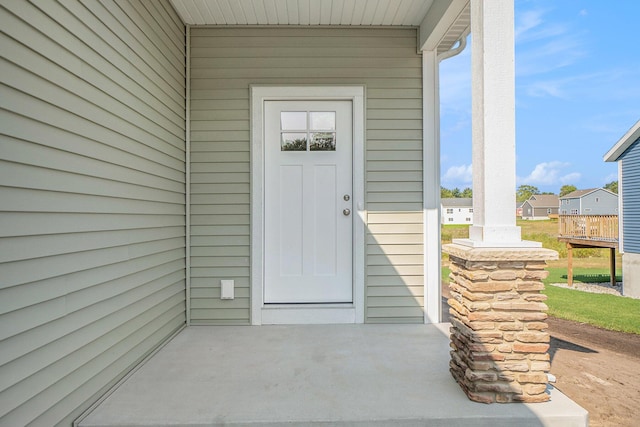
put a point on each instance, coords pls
(306, 313)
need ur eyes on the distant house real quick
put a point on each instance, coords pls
(457, 211)
(627, 153)
(540, 206)
(593, 201)
(519, 208)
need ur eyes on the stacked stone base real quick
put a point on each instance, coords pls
(499, 337)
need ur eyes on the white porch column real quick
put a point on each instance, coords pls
(431, 179)
(493, 126)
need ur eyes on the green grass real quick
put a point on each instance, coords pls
(590, 266)
(449, 232)
(545, 232)
(445, 274)
(584, 275)
(606, 311)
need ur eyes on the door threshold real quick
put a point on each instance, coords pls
(307, 314)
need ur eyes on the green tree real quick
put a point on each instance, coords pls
(456, 192)
(445, 193)
(525, 191)
(467, 193)
(612, 186)
(566, 189)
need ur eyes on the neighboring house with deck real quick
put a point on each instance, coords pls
(209, 162)
(540, 207)
(457, 210)
(593, 201)
(627, 153)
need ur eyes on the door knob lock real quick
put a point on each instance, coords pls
(346, 212)
(346, 198)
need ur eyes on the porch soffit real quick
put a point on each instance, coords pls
(446, 19)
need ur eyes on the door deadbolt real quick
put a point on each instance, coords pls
(346, 198)
(346, 212)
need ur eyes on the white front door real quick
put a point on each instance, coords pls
(308, 202)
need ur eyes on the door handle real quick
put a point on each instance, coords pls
(346, 212)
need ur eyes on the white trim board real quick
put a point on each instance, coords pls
(261, 314)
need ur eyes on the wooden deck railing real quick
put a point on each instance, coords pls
(589, 227)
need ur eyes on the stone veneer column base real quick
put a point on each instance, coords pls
(499, 337)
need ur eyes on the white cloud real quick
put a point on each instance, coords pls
(570, 178)
(527, 20)
(558, 52)
(544, 45)
(546, 88)
(551, 173)
(531, 26)
(456, 174)
(603, 85)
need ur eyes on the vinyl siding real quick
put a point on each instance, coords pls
(225, 62)
(607, 204)
(92, 184)
(631, 198)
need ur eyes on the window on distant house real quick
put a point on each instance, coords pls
(468, 219)
(597, 199)
(470, 210)
(449, 211)
(548, 211)
(587, 209)
(574, 211)
(450, 219)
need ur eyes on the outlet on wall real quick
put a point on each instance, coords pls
(226, 289)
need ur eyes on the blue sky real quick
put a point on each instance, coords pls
(577, 93)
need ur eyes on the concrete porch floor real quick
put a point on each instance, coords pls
(351, 375)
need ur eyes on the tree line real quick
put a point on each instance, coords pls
(524, 192)
(456, 193)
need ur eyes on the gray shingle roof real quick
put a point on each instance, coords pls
(544, 201)
(459, 202)
(578, 193)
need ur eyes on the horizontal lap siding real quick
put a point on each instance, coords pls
(225, 62)
(631, 198)
(92, 214)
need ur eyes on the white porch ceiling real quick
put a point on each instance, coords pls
(441, 22)
(303, 12)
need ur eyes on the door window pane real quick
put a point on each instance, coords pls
(323, 141)
(293, 141)
(308, 131)
(323, 120)
(293, 120)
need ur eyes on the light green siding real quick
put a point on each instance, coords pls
(92, 193)
(225, 62)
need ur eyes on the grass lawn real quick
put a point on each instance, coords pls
(606, 311)
(589, 266)
(580, 274)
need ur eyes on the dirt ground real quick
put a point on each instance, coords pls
(599, 370)
(596, 368)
